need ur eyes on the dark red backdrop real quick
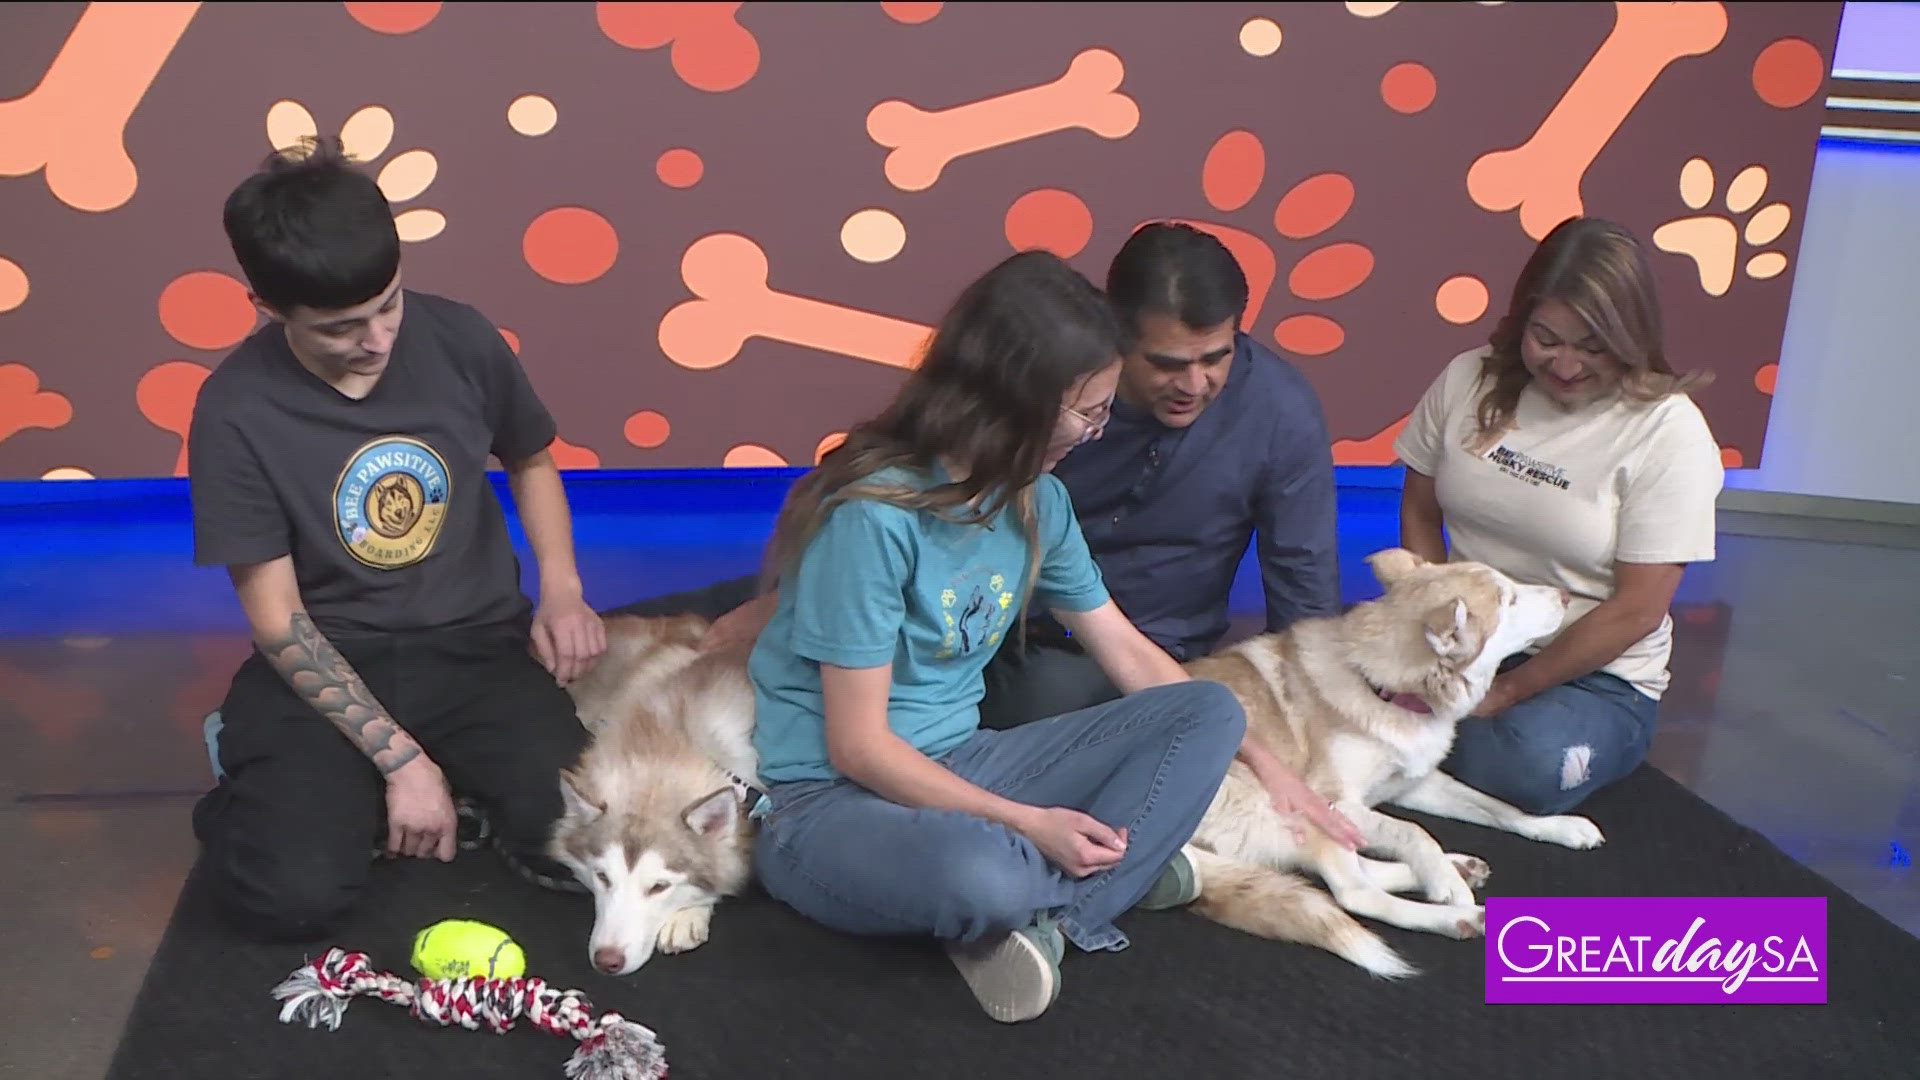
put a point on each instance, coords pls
(580, 171)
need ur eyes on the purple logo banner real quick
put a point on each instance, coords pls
(1664, 950)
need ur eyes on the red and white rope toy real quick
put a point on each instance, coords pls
(611, 1047)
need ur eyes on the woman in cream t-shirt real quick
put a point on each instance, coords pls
(1567, 453)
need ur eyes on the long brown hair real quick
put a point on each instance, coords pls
(986, 398)
(1597, 268)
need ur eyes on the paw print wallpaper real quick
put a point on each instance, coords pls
(718, 233)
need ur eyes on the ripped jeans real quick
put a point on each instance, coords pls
(1549, 752)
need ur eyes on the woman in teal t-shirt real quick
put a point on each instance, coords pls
(902, 561)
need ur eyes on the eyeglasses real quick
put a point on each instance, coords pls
(1094, 424)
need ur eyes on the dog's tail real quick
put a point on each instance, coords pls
(1271, 904)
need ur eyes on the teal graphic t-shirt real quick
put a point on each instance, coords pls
(880, 584)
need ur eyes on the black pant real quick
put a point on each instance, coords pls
(290, 832)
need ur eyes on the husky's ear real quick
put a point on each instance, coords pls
(1394, 564)
(714, 814)
(574, 797)
(1446, 628)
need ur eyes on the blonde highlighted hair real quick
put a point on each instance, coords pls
(1599, 270)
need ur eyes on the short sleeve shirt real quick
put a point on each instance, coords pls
(383, 502)
(879, 584)
(1565, 494)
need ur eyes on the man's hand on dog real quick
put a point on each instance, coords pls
(568, 635)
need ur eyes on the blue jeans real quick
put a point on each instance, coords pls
(1149, 762)
(1546, 754)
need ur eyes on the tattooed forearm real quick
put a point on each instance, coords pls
(319, 674)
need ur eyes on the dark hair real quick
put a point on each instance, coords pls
(311, 229)
(1176, 269)
(986, 396)
(1597, 268)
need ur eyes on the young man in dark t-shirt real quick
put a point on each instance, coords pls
(338, 463)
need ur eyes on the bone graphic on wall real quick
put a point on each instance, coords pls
(1375, 449)
(925, 143)
(73, 123)
(728, 274)
(1542, 176)
(711, 50)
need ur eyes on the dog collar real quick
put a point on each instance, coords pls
(746, 791)
(751, 797)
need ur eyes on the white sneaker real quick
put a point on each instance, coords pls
(1016, 977)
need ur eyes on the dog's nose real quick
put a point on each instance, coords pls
(609, 959)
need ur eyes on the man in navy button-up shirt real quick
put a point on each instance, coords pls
(1213, 441)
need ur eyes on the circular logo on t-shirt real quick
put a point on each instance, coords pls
(390, 501)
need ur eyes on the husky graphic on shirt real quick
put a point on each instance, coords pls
(977, 622)
(390, 501)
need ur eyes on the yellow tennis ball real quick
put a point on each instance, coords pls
(464, 949)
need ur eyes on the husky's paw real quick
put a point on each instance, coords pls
(1568, 830)
(1473, 869)
(1454, 890)
(1469, 923)
(685, 929)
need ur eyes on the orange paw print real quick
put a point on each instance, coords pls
(365, 136)
(1712, 239)
(1312, 207)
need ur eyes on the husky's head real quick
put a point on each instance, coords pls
(1469, 616)
(646, 850)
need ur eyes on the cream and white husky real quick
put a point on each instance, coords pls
(656, 824)
(1317, 693)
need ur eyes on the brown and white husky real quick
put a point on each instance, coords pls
(1318, 694)
(656, 818)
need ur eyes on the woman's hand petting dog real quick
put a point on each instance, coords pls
(1291, 796)
(1076, 843)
